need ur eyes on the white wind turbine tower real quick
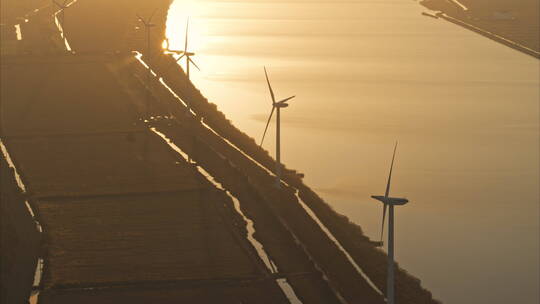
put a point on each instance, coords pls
(277, 107)
(390, 202)
(186, 53)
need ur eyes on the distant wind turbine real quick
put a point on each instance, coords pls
(185, 52)
(62, 6)
(148, 26)
(277, 107)
(390, 202)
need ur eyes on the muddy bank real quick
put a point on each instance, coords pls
(277, 241)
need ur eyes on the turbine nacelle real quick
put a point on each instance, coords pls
(394, 201)
(281, 105)
(177, 52)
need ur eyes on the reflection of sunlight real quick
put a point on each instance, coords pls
(179, 12)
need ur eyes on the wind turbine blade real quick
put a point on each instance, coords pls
(390, 175)
(65, 5)
(152, 16)
(267, 124)
(181, 57)
(287, 99)
(383, 218)
(187, 33)
(189, 58)
(270, 87)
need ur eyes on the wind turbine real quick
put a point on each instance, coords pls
(277, 107)
(390, 202)
(186, 53)
(148, 26)
(62, 6)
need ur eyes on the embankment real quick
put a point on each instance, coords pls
(216, 157)
(515, 24)
(369, 258)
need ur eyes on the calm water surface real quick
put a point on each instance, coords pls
(367, 73)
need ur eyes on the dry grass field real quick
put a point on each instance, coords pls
(120, 210)
(140, 239)
(62, 94)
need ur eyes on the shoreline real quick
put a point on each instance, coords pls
(479, 21)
